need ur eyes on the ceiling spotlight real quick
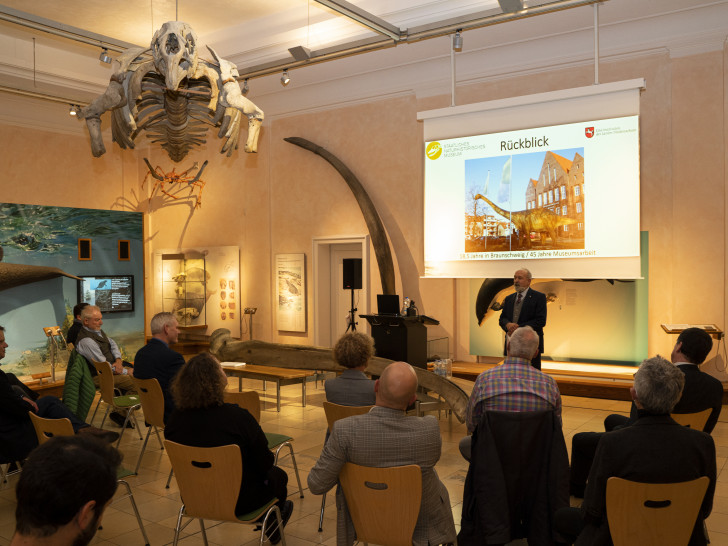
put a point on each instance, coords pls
(75, 110)
(104, 56)
(246, 88)
(285, 79)
(457, 41)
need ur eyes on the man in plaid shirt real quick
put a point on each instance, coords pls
(516, 385)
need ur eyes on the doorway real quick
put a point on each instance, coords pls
(332, 302)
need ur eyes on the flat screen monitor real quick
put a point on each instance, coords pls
(388, 304)
(110, 293)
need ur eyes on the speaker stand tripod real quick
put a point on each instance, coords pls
(351, 320)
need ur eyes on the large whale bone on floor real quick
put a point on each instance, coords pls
(306, 357)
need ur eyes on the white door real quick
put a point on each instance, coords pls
(341, 298)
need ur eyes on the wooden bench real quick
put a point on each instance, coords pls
(281, 376)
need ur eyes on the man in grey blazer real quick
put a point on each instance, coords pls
(386, 437)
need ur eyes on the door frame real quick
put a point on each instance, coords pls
(322, 282)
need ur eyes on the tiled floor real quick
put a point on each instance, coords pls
(159, 506)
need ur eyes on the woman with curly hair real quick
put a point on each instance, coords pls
(352, 387)
(202, 419)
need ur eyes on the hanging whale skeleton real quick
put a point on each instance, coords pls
(174, 95)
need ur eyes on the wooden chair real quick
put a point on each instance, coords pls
(152, 400)
(46, 429)
(384, 503)
(334, 412)
(209, 484)
(659, 514)
(250, 400)
(695, 420)
(127, 404)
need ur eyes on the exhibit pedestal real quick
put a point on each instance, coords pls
(401, 338)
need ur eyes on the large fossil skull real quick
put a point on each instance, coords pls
(174, 48)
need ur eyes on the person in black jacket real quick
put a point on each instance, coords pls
(702, 391)
(75, 328)
(202, 419)
(17, 435)
(655, 449)
(525, 307)
(157, 361)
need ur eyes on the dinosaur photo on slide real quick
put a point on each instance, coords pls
(540, 220)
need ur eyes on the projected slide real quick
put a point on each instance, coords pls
(567, 191)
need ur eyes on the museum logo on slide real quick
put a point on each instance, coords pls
(433, 150)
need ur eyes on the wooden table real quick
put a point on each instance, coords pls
(281, 376)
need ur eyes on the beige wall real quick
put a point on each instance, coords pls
(278, 200)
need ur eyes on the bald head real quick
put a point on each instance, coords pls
(396, 386)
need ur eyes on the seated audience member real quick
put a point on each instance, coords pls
(157, 361)
(202, 419)
(702, 391)
(63, 490)
(17, 434)
(655, 449)
(75, 328)
(94, 344)
(387, 437)
(352, 388)
(514, 386)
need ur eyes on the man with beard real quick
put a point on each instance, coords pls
(63, 490)
(525, 307)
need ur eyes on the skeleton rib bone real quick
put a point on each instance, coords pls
(173, 95)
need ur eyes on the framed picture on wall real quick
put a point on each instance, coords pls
(290, 271)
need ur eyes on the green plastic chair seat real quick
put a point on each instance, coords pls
(255, 514)
(274, 440)
(126, 401)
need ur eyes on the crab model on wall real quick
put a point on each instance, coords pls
(171, 93)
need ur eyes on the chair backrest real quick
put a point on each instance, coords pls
(659, 514)
(208, 479)
(46, 429)
(152, 398)
(106, 381)
(384, 503)
(334, 412)
(248, 400)
(695, 420)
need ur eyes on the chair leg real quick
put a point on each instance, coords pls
(136, 510)
(5, 471)
(279, 524)
(141, 454)
(169, 479)
(136, 423)
(95, 410)
(178, 527)
(108, 408)
(295, 466)
(321, 517)
(159, 438)
(202, 528)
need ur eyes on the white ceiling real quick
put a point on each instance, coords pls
(254, 32)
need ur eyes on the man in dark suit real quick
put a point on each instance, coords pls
(701, 391)
(654, 450)
(17, 434)
(157, 361)
(526, 307)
